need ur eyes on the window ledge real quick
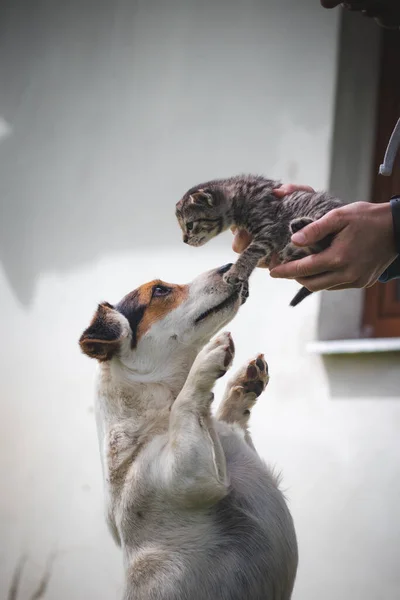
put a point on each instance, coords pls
(357, 346)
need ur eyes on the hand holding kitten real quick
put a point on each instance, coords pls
(264, 216)
(363, 247)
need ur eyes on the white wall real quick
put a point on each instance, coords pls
(115, 109)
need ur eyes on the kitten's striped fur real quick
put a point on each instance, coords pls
(246, 201)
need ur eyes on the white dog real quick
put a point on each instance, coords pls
(197, 513)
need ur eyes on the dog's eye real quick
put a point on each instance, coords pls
(160, 290)
(189, 226)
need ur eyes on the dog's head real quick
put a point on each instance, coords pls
(158, 320)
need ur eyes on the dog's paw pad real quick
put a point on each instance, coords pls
(251, 372)
(261, 364)
(256, 376)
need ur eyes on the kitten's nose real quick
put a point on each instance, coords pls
(224, 269)
(185, 239)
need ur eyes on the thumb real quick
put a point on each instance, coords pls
(241, 240)
(320, 229)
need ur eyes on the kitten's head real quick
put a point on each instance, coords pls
(202, 214)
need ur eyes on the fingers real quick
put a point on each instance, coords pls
(343, 286)
(330, 269)
(328, 224)
(289, 188)
(241, 240)
(310, 266)
(327, 281)
(354, 283)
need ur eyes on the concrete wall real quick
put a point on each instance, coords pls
(113, 110)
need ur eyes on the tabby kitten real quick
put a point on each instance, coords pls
(247, 202)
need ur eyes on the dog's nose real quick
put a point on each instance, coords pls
(224, 269)
(185, 239)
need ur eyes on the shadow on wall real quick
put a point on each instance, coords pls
(42, 586)
(108, 114)
(363, 376)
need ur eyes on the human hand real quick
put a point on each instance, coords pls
(243, 238)
(363, 247)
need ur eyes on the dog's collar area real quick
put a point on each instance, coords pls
(214, 309)
(159, 376)
(136, 375)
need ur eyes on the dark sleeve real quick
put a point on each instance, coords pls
(393, 271)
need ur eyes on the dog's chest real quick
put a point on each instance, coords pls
(126, 444)
(130, 458)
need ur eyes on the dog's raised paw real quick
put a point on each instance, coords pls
(222, 349)
(215, 358)
(254, 377)
(243, 390)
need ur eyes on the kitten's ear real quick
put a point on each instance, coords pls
(202, 198)
(103, 336)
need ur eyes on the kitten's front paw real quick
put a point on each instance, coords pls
(232, 279)
(214, 360)
(244, 292)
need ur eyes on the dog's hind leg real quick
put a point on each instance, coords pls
(193, 463)
(242, 392)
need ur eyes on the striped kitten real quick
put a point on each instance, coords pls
(246, 201)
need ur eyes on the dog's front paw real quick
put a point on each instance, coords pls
(253, 377)
(214, 360)
(256, 376)
(243, 390)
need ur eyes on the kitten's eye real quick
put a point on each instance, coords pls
(189, 226)
(160, 290)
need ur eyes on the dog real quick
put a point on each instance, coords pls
(196, 511)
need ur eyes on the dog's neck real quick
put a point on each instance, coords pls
(134, 391)
(166, 371)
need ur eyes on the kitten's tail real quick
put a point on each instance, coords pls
(301, 294)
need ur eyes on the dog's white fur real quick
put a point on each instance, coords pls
(195, 510)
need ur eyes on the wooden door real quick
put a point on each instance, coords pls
(382, 301)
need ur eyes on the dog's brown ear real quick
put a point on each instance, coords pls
(102, 338)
